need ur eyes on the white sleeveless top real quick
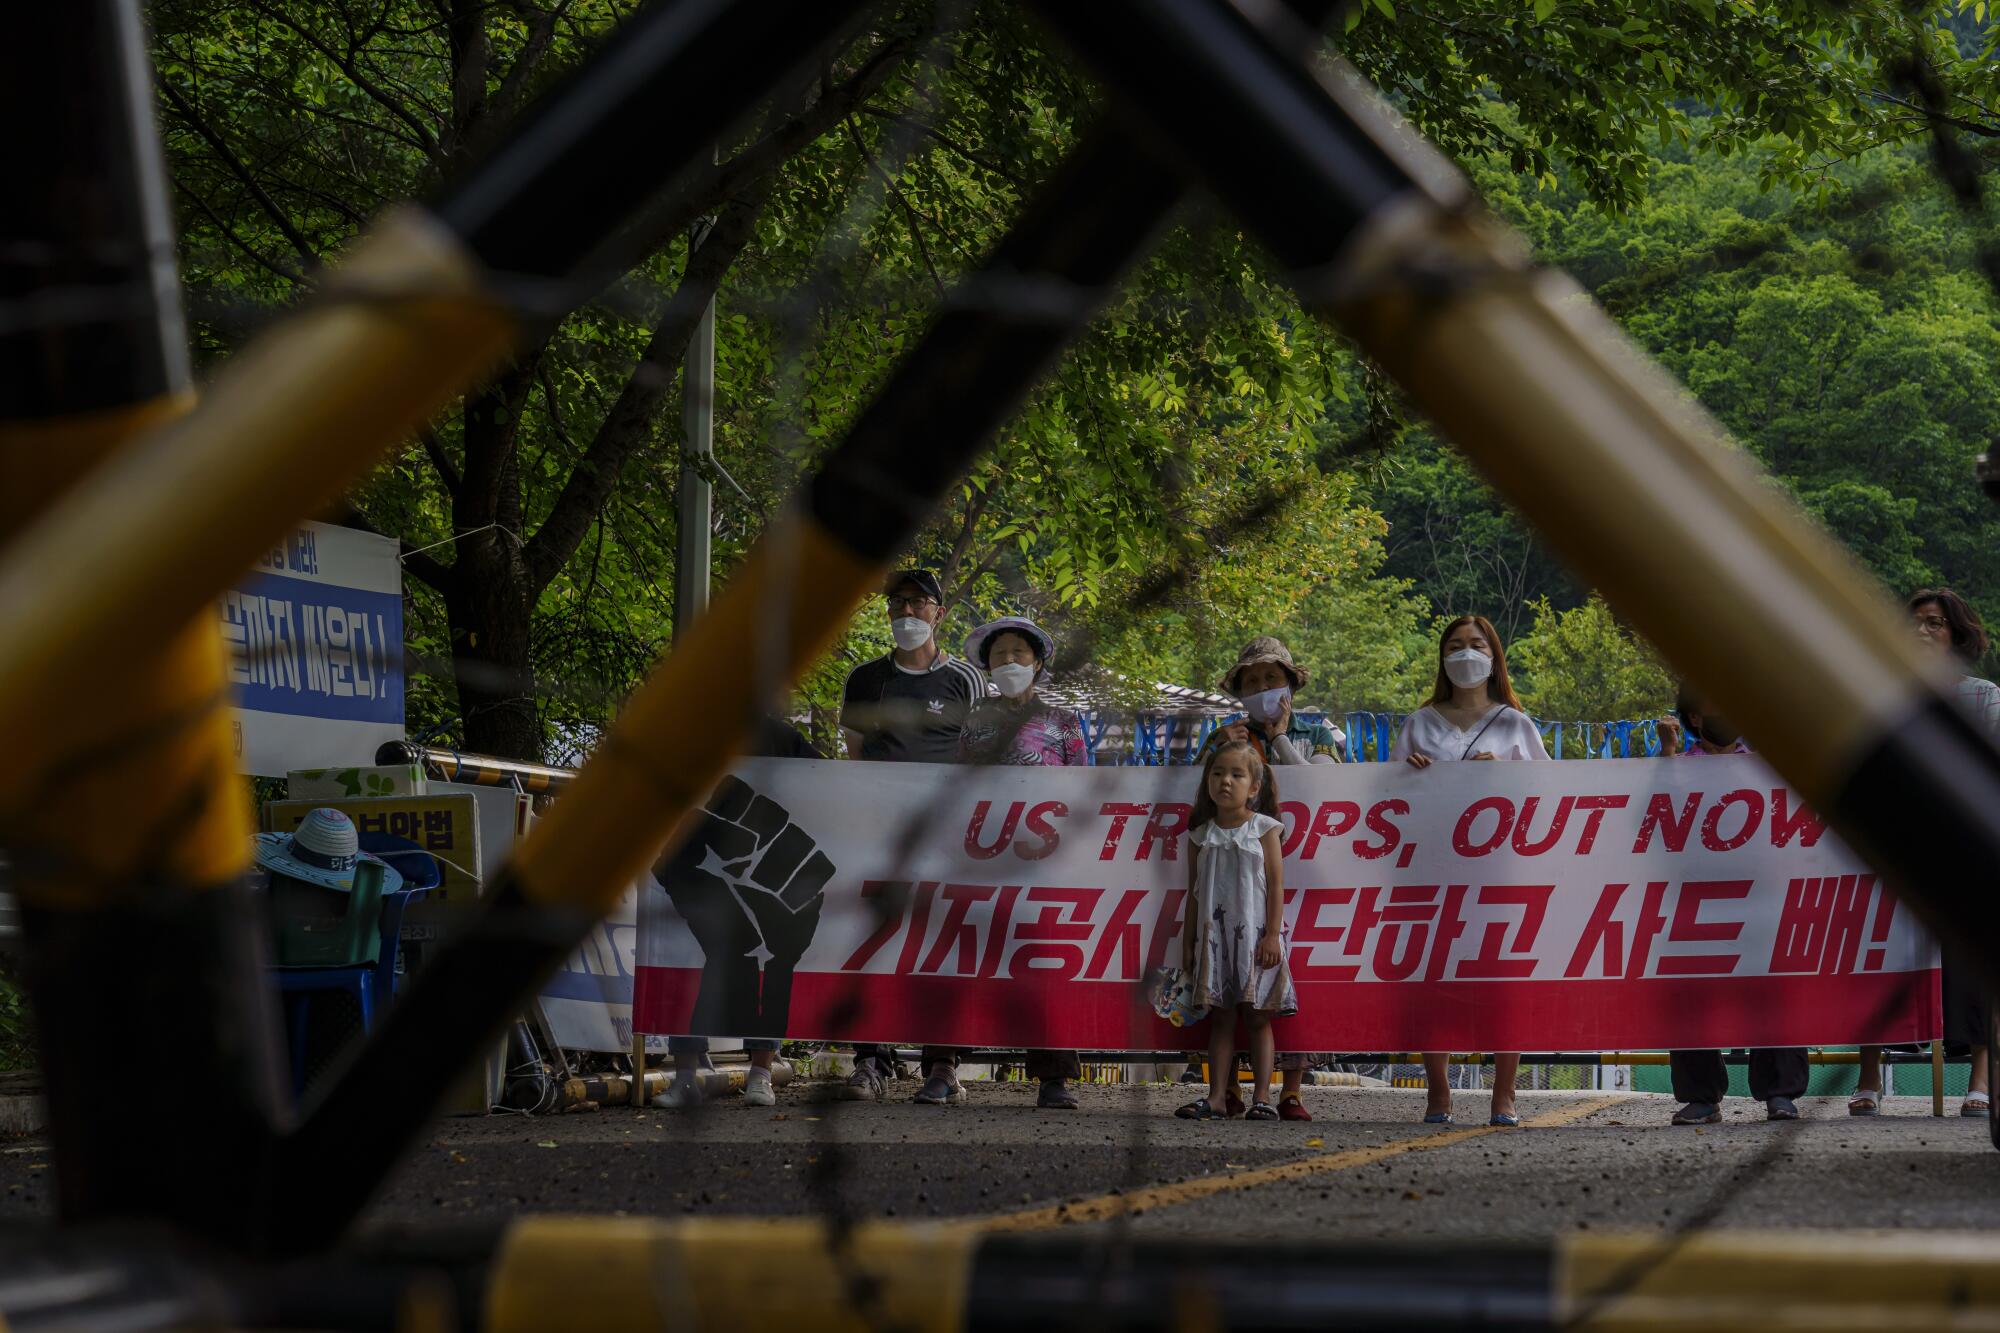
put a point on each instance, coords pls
(1229, 919)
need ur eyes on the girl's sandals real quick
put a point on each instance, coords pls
(1261, 1111)
(1977, 1105)
(1199, 1109)
(1865, 1101)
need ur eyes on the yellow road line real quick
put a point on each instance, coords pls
(1105, 1206)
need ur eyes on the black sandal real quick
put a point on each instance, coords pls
(1199, 1109)
(1261, 1111)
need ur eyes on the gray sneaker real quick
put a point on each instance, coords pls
(863, 1085)
(1699, 1113)
(1781, 1108)
(940, 1091)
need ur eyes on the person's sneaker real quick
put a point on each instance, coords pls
(759, 1091)
(1056, 1095)
(1192, 1074)
(1293, 1108)
(1781, 1108)
(863, 1085)
(1699, 1113)
(940, 1091)
(680, 1094)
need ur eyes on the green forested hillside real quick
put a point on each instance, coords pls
(1845, 338)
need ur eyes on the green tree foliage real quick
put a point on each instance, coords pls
(838, 219)
(1582, 664)
(1842, 336)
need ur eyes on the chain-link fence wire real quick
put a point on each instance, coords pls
(1957, 167)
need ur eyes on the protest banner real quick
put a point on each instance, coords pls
(315, 636)
(1591, 905)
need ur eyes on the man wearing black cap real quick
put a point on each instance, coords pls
(910, 705)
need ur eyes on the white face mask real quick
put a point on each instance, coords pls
(1268, 705)
(1468, 667)
(912, 632)
(1013, 679)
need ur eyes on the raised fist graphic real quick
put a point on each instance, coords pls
(750, 884)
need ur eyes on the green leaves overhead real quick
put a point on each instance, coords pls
(854, 205)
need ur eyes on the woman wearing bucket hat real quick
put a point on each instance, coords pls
(1014, 727)
(1265, 678)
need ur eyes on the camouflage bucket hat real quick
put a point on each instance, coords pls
(1264, 648)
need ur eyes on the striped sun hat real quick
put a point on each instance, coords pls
(323, 850)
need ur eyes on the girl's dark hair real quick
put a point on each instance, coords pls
(1968, 634)
(1265, 802)
(1498, 687)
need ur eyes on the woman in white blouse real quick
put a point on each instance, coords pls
(1946, 625)
(1472, 714)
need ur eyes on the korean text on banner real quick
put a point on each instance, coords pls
(1587, 905)
(315, 633)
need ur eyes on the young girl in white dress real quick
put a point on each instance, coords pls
(1233, 937)
(1472, 714)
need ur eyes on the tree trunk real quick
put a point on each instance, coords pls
(491, 610)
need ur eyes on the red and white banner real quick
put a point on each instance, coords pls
(1583, 905)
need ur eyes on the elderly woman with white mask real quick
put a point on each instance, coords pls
(1013, 726)
(1265, 679)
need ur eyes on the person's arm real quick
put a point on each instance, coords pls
(1075, 750)
(1270, 950)
(850, 737)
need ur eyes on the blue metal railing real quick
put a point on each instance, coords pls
(1176, 738)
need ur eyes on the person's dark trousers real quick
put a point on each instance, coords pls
(1700, 1076)
(883, 1057)
(1053, 1064)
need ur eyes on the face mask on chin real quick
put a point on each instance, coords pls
(1267, 705)
(1013, 680)
(911, 632)
(1468, 667)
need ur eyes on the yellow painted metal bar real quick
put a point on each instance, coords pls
(136, 785)
(1751, 1281)
(112, 571)
(731, 1273)
(679, 730)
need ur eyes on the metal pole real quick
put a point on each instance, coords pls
(691, 540)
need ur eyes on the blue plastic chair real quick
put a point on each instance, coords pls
(372, 986)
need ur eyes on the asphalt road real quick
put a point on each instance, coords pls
(1364, 1167)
